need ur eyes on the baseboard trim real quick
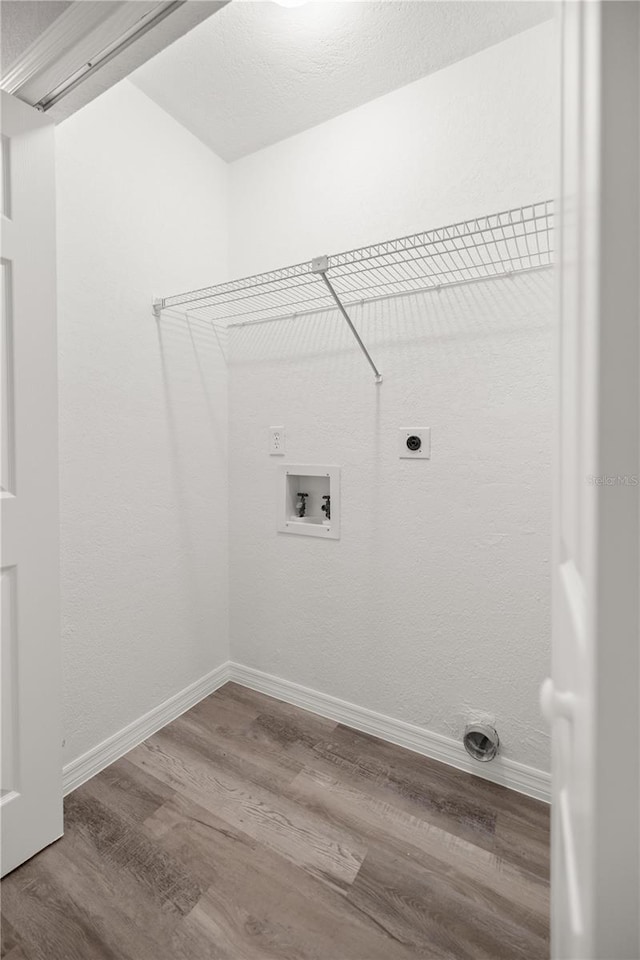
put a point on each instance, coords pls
(507, 773)
(93, 761)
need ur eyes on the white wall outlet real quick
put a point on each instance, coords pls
(415, 444)
(276, 441)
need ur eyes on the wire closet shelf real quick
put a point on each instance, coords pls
(496, 245)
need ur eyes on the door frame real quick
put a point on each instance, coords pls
(595, 707)
(31, 801)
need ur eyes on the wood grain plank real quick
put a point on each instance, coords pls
(237, 752)
(514, 827)
(525, 895)
(433, 913)
(525, 838)
(47, 920)
(310, 725)
(17, 953)
(128, 915)
(9, 940)
(264, 892)
(119, 844)
(249, 828)
(220, 709)
(265, 816)
(127, 790)
(277, 742)
(436, 788)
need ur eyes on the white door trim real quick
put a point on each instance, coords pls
(31, 773)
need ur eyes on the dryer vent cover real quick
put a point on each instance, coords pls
(481, 741)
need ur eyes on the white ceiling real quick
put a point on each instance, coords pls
(45, 42)
(258, 72)
(22, 22)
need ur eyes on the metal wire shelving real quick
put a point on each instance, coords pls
(496, 245)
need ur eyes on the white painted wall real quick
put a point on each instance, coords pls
(472, 139)
(142, 210)
(434, 606)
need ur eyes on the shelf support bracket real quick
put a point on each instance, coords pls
(156, 307)
(320, 265)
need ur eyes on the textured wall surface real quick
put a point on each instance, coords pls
(259, 72)
(434, 605)
(143, 419)
(474, 138)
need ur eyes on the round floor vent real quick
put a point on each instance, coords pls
(481, 741)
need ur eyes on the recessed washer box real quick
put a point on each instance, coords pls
(306, 494)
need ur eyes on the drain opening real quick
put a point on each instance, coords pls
(481, 741)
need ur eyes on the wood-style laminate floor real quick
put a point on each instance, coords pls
(251, 829)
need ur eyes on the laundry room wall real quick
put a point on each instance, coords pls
(142, 212)
(433, 607)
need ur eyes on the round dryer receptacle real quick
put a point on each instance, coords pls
(414, 443)
(481, 741)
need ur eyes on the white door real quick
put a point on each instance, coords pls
(592, 699)
(31, 767)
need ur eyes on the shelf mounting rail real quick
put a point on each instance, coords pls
(497, 245)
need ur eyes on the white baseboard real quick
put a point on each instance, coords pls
(93, 761)
(508, 773)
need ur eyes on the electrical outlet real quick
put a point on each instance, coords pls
(415, 444)
(276, 441)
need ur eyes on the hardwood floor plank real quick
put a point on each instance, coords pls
(249, 828)
(47, 920)
(16, 954)
(222, 709)
(525, 839)
(514, 827)
(435, 914)
(127, 791)
(129, 917)
(266, 921)
(383, 823)
(272, 893)
(118, 843)
(309, 725)
(287, 726)
(274, 739)
(207, 846)
(9, 939)
(265, 816)
(236, 752)
(427, 783)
